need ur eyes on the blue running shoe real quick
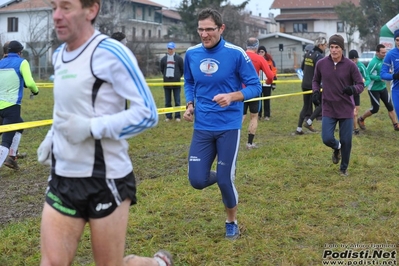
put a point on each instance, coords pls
(232, 231)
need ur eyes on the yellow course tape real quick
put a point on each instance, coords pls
(278, 96)
(161, 84)
(278, 75)
(15, 127)
(45, 85)
(171, 110)
(154, 84)
(32, 124)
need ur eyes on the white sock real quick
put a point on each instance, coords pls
(3, 154)
(160, 261)
(235, 221)
(309, 122)
(339, 145)
(15, 144)
(299, 129)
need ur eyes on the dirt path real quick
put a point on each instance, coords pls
(21, 194)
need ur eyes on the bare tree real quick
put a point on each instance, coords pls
(38, 38)
(147, 60)
(233, 18)
(115, 15)
(350, 15)
(112, 14)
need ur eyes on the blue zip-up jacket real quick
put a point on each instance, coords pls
(221, 69)
(391, 62)
(14, 72)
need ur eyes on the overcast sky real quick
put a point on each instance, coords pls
(256, 6)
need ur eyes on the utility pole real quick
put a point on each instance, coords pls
(281, 49)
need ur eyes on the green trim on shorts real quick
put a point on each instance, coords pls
(54, 198)
(58, 205)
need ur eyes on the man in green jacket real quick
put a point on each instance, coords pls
(354, 56)
(378, 90)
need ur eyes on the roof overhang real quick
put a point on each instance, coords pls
(312, 16)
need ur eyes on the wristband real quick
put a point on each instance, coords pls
(190, 102)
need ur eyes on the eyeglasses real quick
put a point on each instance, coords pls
(207, 30)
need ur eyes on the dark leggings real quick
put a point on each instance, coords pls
(10, 115)
(375, 97)
(266, 91)
(168, 90)
(307, 108)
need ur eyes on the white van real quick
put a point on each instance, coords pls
(366, 57)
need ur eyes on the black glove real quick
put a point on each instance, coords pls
(349, 90)
(35, 93)
(316, 98)
(395, 76)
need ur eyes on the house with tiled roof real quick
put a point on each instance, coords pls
(259, 25)
(173, 25)
(286, 50)
(25, 21)
(148, 26)
(140, 20)
(310, 19)
(31, 23)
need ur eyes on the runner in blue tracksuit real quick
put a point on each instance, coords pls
(390, 71)
(214, 72)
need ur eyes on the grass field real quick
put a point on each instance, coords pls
(293, 203)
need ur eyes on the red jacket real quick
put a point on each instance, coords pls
(260, 63)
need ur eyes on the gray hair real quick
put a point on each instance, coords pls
(252, 43)
(320, 41)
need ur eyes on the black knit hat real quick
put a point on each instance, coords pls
(15, 47)
(338, 40)
(262, 48)
(119, 36)
(353, 54)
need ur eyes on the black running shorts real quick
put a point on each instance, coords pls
(253, 107)
(89, 197)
